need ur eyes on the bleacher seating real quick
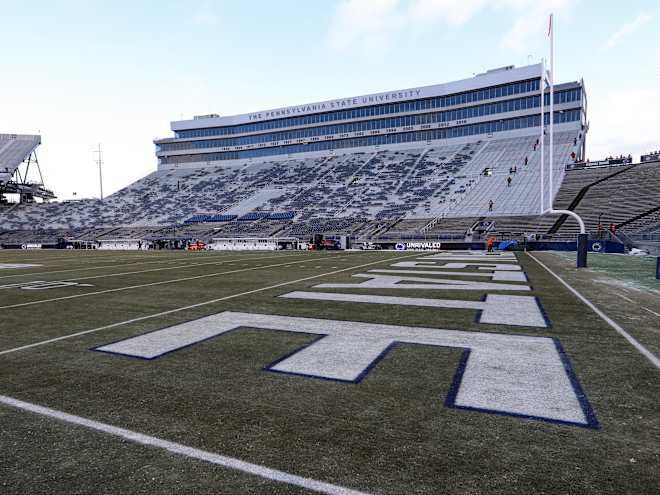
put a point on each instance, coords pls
(620, 198)
(14, 148)
(426, 191)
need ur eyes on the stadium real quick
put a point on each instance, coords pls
(418, 164)
(374, 294)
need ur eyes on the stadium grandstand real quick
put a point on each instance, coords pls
(17, 150)
(454, 161)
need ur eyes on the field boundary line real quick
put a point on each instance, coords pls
(180, 449)
(196, 305)
(634, 342)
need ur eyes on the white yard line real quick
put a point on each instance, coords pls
(178, 267)
(180, 449)
(82, 269)
(192, 306)
(116, 265)
(643, 350)
(651, 311)
(76, 255)
(150, 284)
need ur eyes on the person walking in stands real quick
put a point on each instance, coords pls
(490, 205)
(526, 160)
(508, 181)
(489, 244)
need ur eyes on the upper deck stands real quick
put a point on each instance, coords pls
(488, 104)
(14, 148)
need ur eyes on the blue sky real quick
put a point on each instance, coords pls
(116, 73)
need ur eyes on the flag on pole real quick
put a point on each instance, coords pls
(550, 25)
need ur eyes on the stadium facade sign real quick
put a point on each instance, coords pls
(338, 104)
(488, 79)
(31, 245)
(419, 246)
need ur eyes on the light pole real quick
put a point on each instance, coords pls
(99, 162)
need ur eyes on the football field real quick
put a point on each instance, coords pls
(376, 372)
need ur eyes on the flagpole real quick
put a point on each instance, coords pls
(542, 86)
(552, 106)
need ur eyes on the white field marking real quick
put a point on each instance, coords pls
(643, 350)
(150, 284)
(12, 266)
(178, 267)
(626, 298)
(392, 282)
(128, 260)
(76, 255)
(55, 284)
(470, 259)
(192, 306)
(446, 265)
(496, 309)
(21, 284)
(651, 311)
(167, 260)
(506, 276)
(43, 285)
(513, 374)
(484, 266)
(80, 269)
(180, 449)
(473, 254)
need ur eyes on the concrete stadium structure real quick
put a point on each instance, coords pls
(433, 161)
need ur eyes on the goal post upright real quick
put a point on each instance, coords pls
(582, 238)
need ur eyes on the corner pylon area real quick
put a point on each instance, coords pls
(337, 372)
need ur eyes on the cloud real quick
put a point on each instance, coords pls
(531, 21)
(205, 14)
(446, 11)
(623, 121)
(628, 28)
(369, 24)
(364, 24)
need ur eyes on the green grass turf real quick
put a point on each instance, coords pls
(622, 286)
(632, 272)
(389, 434)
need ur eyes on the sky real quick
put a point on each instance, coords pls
(116, 73)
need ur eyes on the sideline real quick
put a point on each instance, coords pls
(180, 449)
(196, 305)
(643, 350)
